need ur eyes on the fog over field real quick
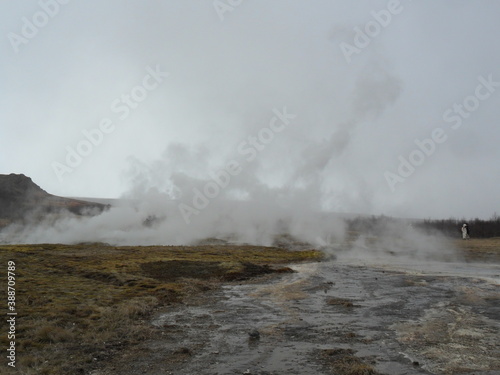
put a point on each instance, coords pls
(214, 118)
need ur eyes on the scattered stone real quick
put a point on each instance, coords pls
(183, 351)
(254, 335)
(334, 301)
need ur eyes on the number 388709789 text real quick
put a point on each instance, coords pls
(11, 312)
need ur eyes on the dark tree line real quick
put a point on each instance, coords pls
(478, 228)
(375, 225)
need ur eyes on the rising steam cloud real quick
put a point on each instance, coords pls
(226, 80)
(274, 194)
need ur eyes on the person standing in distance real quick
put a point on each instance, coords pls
(465, 232)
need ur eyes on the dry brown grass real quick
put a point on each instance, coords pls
(334, 301)
(79, 305)
(344, 362)
(480, 249)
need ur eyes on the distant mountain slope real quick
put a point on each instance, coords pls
(20, 198)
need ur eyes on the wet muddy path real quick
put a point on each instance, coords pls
(391, 319)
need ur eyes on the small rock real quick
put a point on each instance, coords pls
(183, 351)
(254, 335)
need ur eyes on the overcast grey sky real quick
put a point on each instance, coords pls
(178, 87)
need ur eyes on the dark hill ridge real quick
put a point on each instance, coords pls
(20, 197)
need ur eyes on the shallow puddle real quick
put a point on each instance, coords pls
(396, 318)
